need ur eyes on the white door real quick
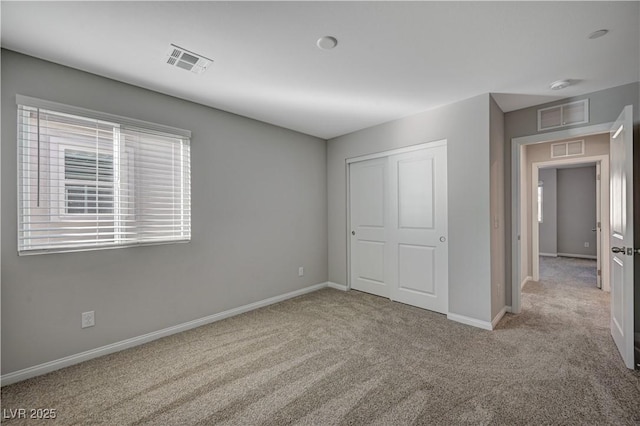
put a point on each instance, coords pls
(621, 256)
(398, 215)
(368, 194)
(598, 228)
(419, 260)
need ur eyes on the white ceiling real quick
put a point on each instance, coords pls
(392, 60)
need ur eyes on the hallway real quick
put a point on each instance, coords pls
(568, 271)
(567, 295)
(565, 319)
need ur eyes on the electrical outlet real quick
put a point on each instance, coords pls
(586, 244)
(88, 319)
(300, 271)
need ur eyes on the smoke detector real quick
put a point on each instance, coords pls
(560, 84)
(327, 42)
(187, 60)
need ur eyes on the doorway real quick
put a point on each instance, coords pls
(577, 226)
(398, 225)
(521, 211)
(621, 229)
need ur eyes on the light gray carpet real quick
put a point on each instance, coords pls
(350, 358)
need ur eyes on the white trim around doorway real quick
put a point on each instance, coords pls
(516, 147)
(603, 160)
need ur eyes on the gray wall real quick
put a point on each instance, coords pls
(604, 107)
(259, 199)
(465, 125)
(577, 211)
(548, 229)
(496, 136)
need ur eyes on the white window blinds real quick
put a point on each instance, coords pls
(89, 180)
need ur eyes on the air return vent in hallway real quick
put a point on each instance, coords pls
(563, 115)
(567, 149)
(182, 58)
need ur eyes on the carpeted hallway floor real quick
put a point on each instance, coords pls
(332, 357)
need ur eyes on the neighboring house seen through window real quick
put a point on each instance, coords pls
(88, 178)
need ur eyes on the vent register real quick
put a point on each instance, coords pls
(568, 114)
(567, 149)
(187, 60)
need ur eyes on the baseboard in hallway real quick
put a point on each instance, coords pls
(578, 256)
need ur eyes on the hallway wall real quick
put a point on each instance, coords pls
(577, 211)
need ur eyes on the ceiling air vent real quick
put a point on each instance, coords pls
(182, 58)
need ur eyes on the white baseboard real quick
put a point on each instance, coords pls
(508, 309)
(57, 364)
(525, 280)
(485, 325)
(548, 254)
(579, 256)
(498, 317)
(337, 286)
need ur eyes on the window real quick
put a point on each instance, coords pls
(90, 180)
(540, 202)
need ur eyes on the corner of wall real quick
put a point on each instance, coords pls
(497, 210)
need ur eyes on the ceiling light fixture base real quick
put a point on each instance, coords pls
(560, 84)
(327, 42)
(598, 34)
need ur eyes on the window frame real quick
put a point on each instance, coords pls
(59, 211)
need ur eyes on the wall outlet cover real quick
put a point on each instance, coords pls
(88, 319)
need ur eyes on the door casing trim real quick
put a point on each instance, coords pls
(516, 147)
(603, 160)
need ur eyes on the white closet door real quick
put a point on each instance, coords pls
(368, 182)
(418, 239)
(398, 207)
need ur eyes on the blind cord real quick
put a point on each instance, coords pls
(38, 182)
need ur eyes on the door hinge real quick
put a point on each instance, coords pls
(599, 225)
(597, 177)
(599, 272)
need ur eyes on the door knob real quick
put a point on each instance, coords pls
(353, 232)
(619, 249)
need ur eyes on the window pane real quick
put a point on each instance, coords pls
(539, 203)
(86, 165)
